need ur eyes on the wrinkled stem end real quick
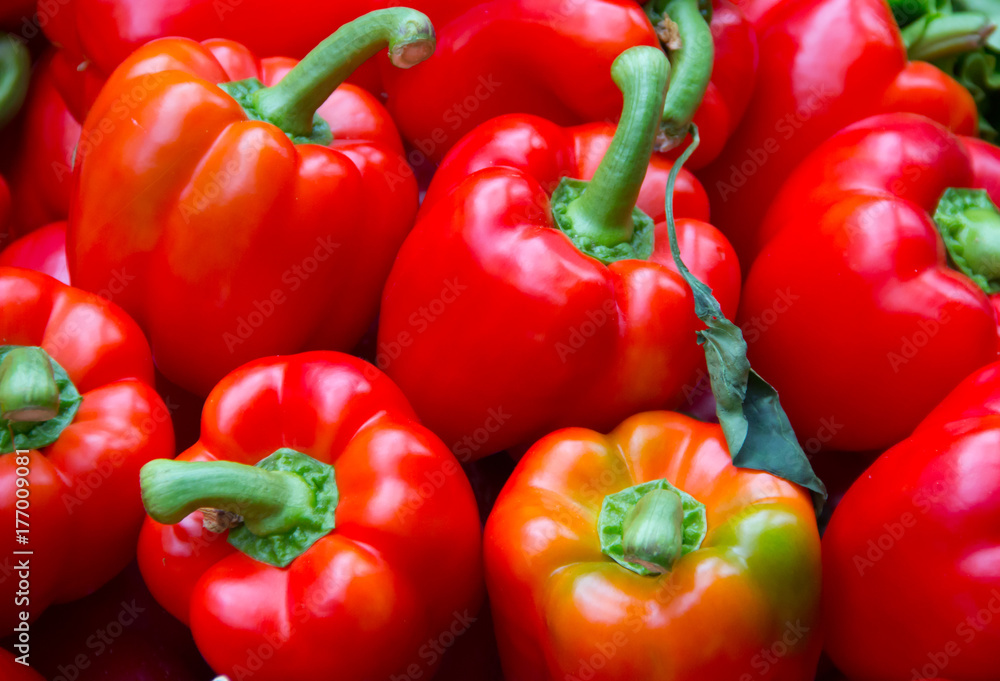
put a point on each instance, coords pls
(654, 530)
(292, 103)
(274, 511)
(28, 389)
(414, 42)
(692, 71)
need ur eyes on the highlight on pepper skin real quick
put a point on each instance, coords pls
(507, 340)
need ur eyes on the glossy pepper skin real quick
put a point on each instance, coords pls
(39, 154)
(851, 310)
(985, 158)
(85, 510)
(564, 609)
(823, 65)
(95, 36)
(922, 520)
(263, 245)
(43, 250)
(552, 59)
(404, 556)
(488, 297)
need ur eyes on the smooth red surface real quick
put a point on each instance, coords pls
(499, 330)
(851, 310)
(553, 59)
(911, 569)
(357, 605)
(38, 158)
(223, 239)
(43, 250)
(85, 509)
(824, 64)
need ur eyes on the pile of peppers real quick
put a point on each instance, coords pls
(500, 339)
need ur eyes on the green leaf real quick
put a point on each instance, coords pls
(757, 429)
(38, 434)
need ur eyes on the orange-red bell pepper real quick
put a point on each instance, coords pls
(236, 216)
(646, 555)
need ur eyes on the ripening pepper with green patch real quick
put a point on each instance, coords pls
(646, 555)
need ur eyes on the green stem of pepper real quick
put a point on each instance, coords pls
(292, 103)
(15, 71)
(938, 36)
(692, 70)
(969, 223)
(270, 502)
(654, 531)
(603, 212)
(28, 389)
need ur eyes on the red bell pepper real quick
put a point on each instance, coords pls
(646, 555)
(911, 574)
(78, 418)
(553, 60)
(357, 539)
(510, 312)
(43, 250)
(851, 310)
(38, 160)
(823, 65)
(265, 227)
